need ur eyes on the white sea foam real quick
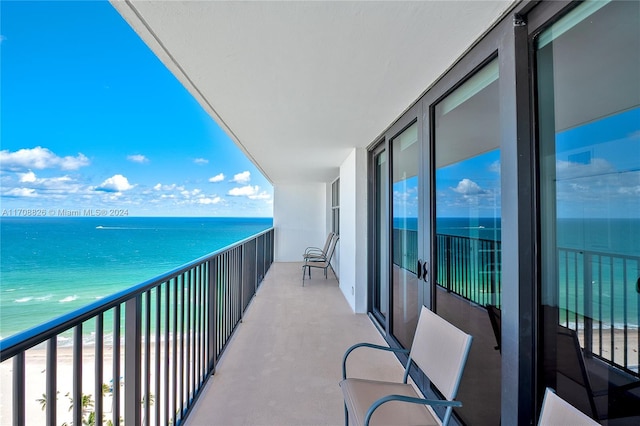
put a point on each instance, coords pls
(44, 298)
(24, 299)
(68, 299)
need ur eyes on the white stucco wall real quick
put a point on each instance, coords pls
(299, 219)
(353, 229)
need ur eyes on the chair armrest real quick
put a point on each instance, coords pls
(411, 400)
(314, 255)
(313, 249)
(367, 345)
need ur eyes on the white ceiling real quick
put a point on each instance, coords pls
(297, 85)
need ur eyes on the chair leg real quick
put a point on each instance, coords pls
(346, 415)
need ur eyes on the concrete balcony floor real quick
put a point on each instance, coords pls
(283, 365)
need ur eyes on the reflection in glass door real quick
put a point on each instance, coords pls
(405, 303)
(467, 241)
(588, 64)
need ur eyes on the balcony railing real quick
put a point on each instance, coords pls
(470, 267)
(600, 299)
(158, 341)
(598, 292)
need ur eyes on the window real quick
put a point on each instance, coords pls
(335, 206)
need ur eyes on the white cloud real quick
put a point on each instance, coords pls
(172, 187)
(245, 191)
(191, 194)
(138, 158)
(205, 200)
(116, 183)
(21, 192)
(260, 196)
(40, 158)
(570, 170)
(2, 38)
(27, 177)
(633, 190)
(251, 192)
(217, 178)
(495, 166)
(31, 185)
(243, 177)
(201, 161)
(468, 187)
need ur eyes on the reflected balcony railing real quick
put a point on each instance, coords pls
(158, 342)
(598, 292)
(599, 298)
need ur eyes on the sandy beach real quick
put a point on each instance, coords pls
(35, 386)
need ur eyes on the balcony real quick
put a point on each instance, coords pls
(233, 338)
(196, 346)
(284, 363)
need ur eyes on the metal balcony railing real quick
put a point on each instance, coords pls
(598, 293)
(163, 337)
(470, 267)
(599, 297)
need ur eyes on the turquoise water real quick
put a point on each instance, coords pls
(596, 256)
(51, 266)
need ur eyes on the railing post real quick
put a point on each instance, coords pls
(447, 254)
(98, 368)
(77, 375)
(588, 304)
(241, 278)
(116, 366)
(494, 271)
(213, 312)
(18, 390)
(132, 355)
(52, 384)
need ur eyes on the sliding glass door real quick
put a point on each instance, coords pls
(405, 291)
(396, 295)
(468, 238)
(380, 236)
(588, 68)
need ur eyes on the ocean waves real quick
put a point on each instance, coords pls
(45, 298)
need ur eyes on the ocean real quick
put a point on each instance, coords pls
(52, 266)
(606, 249)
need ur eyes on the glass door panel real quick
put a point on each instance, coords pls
(381, 240)
(467, 240)
(588, 64)
(405, 301)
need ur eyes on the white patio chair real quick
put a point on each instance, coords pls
(558, 412)
(440, 350)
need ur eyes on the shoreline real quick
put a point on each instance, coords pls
(35, 384)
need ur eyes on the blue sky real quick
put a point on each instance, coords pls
(91, 119)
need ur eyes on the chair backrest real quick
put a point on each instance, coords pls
(328, 242)
(440, 349)
(570, 364)
(558, 412)
(332, 247)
